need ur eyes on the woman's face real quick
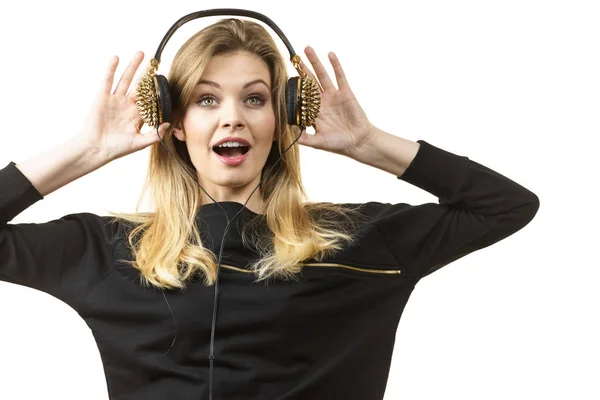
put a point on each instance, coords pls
(233, 99)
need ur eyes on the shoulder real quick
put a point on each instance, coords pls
(374, 211)
(356, 216)
(105, 227)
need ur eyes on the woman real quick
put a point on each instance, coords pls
(310, 294)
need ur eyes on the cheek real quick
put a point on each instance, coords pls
(266, 124)
(197, 131)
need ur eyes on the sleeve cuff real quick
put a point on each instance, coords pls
(17, 193)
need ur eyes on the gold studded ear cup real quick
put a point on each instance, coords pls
(310, 101)
(153, 99)
(303, 101)
(146, 99)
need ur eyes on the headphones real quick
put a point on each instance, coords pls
(153, 100)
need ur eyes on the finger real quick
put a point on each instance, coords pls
(309, 140)
(133, 88)
(127, 76)
(109, 76)
(339, 72)
(151, 137)
(319, 69)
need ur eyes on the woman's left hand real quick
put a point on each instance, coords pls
(342, 126)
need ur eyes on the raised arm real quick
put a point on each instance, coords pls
(478, 206)
(111, 130)
(67, 257)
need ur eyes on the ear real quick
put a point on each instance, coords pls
(179, 132)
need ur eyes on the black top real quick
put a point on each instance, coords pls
(330, 335)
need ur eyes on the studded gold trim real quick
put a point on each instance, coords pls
(147, 97)
(311, 101)
(330, 265)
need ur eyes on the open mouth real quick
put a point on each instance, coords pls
(231, 151)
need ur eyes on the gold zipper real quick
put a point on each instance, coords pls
(236, 268)
(334, 265)
(373, 271)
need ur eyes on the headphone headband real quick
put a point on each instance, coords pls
(302, 92)
(227, 11)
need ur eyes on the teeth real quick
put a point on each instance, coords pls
(231, 144)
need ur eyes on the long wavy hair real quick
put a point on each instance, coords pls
(166, 244)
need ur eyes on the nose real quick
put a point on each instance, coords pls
(232, 116)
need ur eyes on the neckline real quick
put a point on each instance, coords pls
(227, 205)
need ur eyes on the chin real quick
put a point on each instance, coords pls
(234, 179)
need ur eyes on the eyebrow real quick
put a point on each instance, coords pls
(215, 84)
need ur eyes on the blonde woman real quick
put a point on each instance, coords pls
(309, 294)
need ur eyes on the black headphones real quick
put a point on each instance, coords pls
(153, 98)
(303, 101)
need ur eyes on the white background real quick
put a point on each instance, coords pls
(513, 85)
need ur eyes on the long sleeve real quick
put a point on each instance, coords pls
(477, 208)
(65, 258)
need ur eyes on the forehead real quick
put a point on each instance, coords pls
(236, 67)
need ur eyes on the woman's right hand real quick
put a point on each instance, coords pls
(113, 124)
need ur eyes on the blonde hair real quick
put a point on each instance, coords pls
(166, 244)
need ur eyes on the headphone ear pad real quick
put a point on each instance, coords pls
(164, 98)
(292, 100)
